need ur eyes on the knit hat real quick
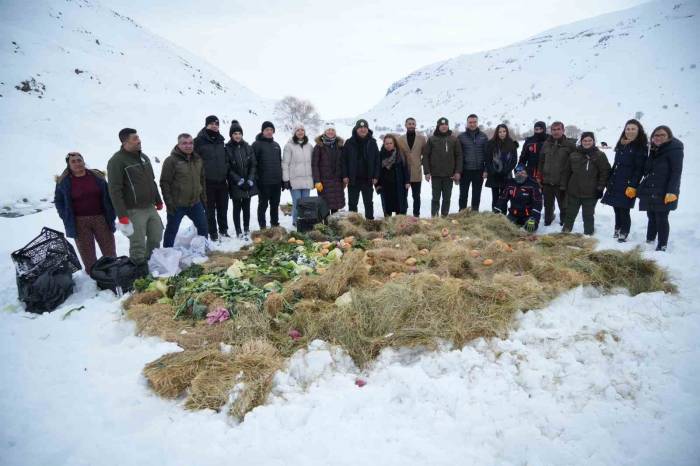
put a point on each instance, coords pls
(443, 121)
(328, 125)
(587, 134)
(267, 124)
(541, 124)
(211, 119)
(298, 126)
(235, 128)
(361, 123)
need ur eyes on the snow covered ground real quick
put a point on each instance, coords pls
(589, 380)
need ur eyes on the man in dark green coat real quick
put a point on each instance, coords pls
(554, 154)
(135, 196)
(442, 165)
(183, 184)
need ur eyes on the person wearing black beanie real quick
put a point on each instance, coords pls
(268, 157)
(235, 128)
(209, 144)
(242, 178)
(530, 155)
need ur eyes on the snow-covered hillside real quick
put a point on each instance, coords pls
(72, 73)
(595, 73)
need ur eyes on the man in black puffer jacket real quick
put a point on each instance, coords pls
(530, 155)
(360, 167)
(209, 144)
(268, 160)
(473, 142)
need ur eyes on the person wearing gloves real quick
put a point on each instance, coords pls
(182, 183)
(631, 153)
(525, 197)
(584, 176)
(135, 196)
(83, 203)
(296, 167)
(209, 144)
(659, 190)
(241, 178)
(326, 168)
(268, 162)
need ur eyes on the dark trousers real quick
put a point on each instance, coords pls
(550, 193)
(88, 230)
(623, 222)
(241, 205)
(495, 194)
(658, 225)
(415, 192)
(573, 205)
(442, 187)
(475, 178)
(269, 194)
(367, 199)
(217, 207)
(195, 213)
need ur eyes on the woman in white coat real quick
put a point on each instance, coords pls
(297, 174)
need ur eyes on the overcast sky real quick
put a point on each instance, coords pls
(344, 55)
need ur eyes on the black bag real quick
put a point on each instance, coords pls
(44, 271)
(113, 272)
(310, 211)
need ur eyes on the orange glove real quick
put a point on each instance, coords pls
(669, 198)
(631, 192)
(319, 186)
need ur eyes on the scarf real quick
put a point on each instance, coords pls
(330, 142)
(389, 161)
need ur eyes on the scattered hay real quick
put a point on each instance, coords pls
(416, 283)
(172, 373)
(145, 297)
(272, 234)
(218, 261)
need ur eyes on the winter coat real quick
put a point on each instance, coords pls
(211, 150)
(662, 175)
(500, 162)
(626, 173)
(525, 199)
(530, 155)
(182, 180)
(131, 182)
(64, 203)
(392, 183)
(326, 169)
(356, 163)
(241, 166)
(473, 145)
(443, 155)
(553, 156)
(268, 160)
(414, 155)
(296, 164)
(585, 173)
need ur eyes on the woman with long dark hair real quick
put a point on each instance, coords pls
(631, 153)
(501, 156)
(659, 190)
(83, 203)
(394, 178)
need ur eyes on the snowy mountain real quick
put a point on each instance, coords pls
(595, 73)
(73, 73)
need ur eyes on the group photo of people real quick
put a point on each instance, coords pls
(530, 181)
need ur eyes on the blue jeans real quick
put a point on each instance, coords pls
(196, 213)
(296, 195)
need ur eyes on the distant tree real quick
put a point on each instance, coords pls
(638, 115)
(292, 110)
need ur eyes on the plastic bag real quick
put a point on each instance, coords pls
(165, 262)
(126, 230)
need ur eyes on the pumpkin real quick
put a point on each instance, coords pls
(488, 262)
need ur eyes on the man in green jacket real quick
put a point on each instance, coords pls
(132, 187)
(183, 184)
(553, 156)
(442, 165)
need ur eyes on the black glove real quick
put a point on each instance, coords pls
(286, 185)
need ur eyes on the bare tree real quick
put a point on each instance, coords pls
(572, 131)
(292, 110)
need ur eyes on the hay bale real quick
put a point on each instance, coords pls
(274, 304)
(271, 234)
(258, 361)
(211, 387)
(405, 225)
(218, 261)
(172, 373)
(350, 270)
(451, 259)
(144, 297)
